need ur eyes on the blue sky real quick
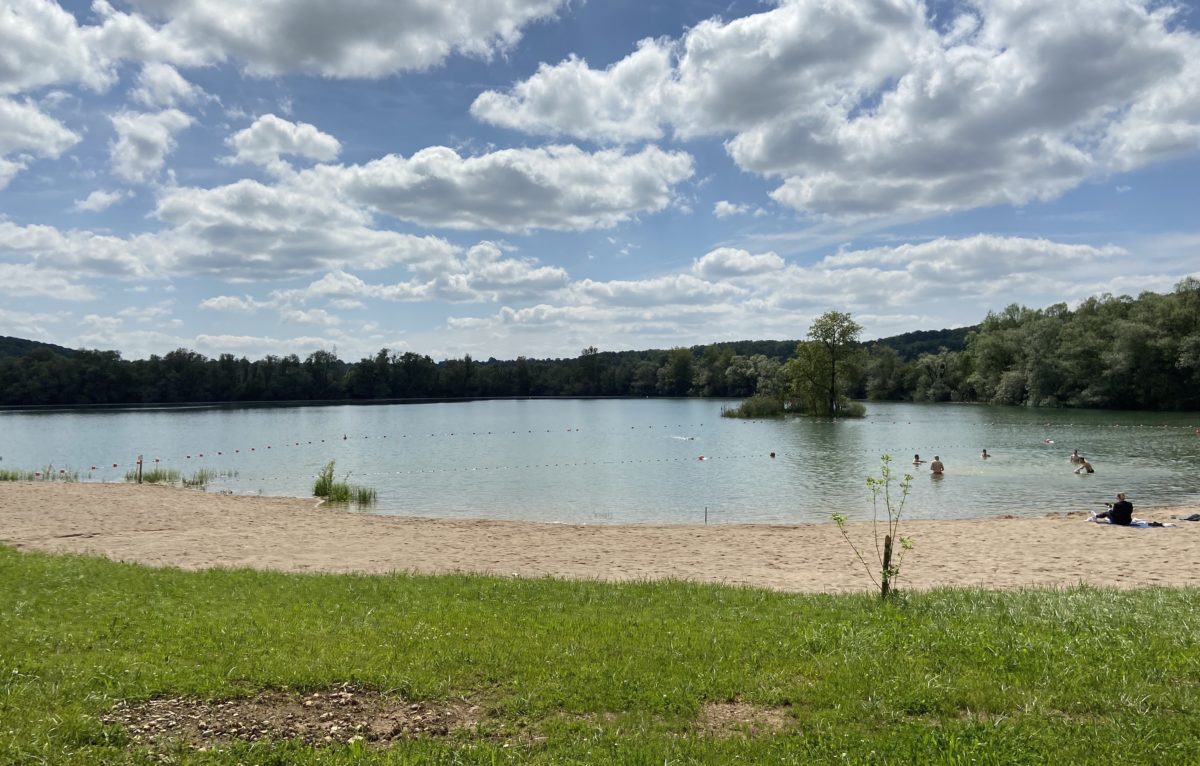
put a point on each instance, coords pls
(508, 177)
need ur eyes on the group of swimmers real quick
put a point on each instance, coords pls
(1081, 463)
(935, 467)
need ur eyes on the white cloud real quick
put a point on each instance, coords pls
(84, 251)
(374, 38)
(725, 209)
(620, 103)
(40, 44)
(516, 190)
(160, 311)
(864, 108)
(729, 262)
(21, 324)
(311, 316)
(27, 132)
(231, 303)
(269, 137)
(676, 289)
(253, 231)
(20, 280)
(143, 142)
(939, 283)
(160, 85)
(100, 200)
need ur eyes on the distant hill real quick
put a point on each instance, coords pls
(21, 347)
(910, 345)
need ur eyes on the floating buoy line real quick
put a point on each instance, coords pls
(899, 453)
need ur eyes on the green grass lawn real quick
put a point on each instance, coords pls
(583, 672)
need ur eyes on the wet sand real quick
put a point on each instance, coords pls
(164, 526)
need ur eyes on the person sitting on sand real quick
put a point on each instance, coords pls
(936, 466)
(917, 460)
(984, 454)
(1120, 512)
(1084, 466)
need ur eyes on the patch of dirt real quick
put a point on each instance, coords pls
(726, 719)
(343, 714)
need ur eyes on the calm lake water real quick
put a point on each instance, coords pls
(614, 461)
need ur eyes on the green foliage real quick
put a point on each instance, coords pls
(156, 476)
(756, 407)
(340, 492)
(823, 369)
(591, 672)
(324, 482)
(885, 554)
(47, 473)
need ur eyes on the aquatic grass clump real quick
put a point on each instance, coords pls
(202, 476)
(49, 473)
(324, 481)
(342, 492)
(156, 476)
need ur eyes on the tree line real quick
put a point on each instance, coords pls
(1109, 352)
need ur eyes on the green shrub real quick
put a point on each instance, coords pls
(756, 407)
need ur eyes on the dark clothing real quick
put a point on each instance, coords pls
(1121, 513)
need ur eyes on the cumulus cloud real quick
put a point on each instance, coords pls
(372, 38)
(517, 190)
(27, 132)
(725, 209)
(676, 289)
(23, 280)
(254, 231)
(160, 85)
(84, 251)
(41, 44)
(729, 262)
(100, 200)
(732, 294)
(620, 103)
(143, 142)
(269, 137)
(231, 303)
(871, 108)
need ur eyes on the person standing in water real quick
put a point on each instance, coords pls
(984, 454)
(917, 460)
(936, 466)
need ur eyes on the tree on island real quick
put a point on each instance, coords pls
(819, 376)
(823, 367)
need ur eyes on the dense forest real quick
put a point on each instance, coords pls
(1110, 351)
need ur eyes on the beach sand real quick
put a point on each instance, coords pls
(163, 526)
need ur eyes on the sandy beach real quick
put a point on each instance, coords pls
(163, 526)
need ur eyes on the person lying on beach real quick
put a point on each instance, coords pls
(1084, 466)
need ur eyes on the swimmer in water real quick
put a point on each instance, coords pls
(936, 466)
(1076, 457)
(917, 460)
(984, 454)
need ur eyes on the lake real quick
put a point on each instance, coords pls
(635, 460)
